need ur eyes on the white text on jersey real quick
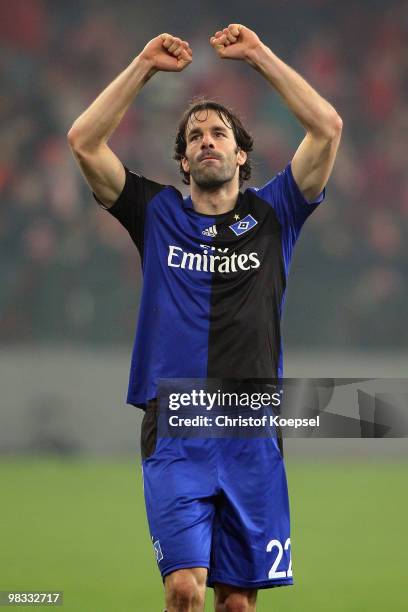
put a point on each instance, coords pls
(208, 262)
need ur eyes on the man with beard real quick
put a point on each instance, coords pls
(214, 266)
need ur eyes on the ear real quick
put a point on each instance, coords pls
(185, 165)
(241, 157)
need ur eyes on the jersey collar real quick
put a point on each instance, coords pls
(188, 205)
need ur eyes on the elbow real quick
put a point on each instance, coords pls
(77, 145)
(338, 124)
(334, 126)
(80, 141)
(73, 138)
(328, 127)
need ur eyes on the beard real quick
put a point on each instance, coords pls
(209, 176)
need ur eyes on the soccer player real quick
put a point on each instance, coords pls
(215, 267)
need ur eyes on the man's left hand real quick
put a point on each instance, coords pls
(235, 42)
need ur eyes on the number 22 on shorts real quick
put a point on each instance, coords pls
(273, 573)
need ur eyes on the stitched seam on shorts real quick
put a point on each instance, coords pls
(215, 577)
(186, 565)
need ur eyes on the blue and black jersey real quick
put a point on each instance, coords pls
(214, 285)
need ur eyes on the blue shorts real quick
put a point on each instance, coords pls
(219, 503)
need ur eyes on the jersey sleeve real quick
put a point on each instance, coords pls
(288, 202)
(290, 207)
(131, 206)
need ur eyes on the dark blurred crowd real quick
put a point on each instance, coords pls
(69, 272)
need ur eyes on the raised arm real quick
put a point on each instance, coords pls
(313, 161)
(89, 134)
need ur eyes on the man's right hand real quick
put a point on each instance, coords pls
(167, 53)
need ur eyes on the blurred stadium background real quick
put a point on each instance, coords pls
(72, 513)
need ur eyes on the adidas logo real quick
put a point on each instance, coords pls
(210, 231)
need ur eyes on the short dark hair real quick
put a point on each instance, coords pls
(243, 139)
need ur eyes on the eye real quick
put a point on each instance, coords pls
(193, 137)
(219, 134)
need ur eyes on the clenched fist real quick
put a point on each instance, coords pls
(167, 53)
(235, 42)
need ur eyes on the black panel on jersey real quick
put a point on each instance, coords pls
(249, 346)
(139, 191)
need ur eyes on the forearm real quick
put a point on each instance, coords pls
(100, 119)
(314, 112)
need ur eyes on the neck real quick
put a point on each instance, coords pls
(216, 202)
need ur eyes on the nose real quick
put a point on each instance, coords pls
(207, 141)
